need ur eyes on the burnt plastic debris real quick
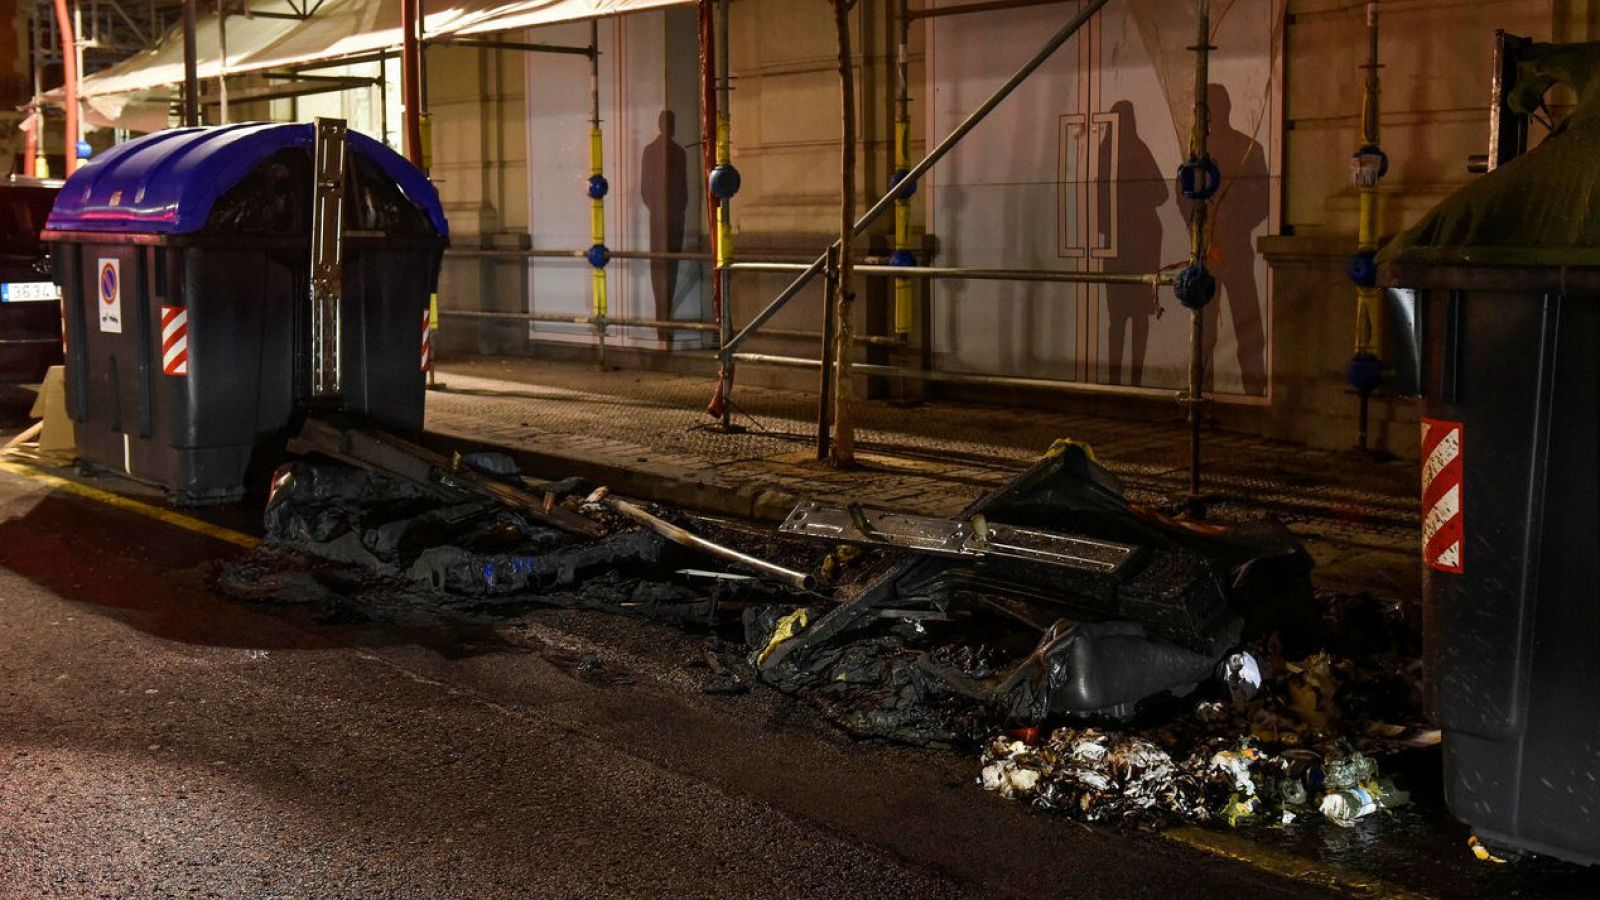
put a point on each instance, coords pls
(411, 535)
(1102, 668)
(1158, 622)
(491, 462)
(461, 571)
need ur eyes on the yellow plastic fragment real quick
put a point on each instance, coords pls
(1239, 808)
(1482, 852)
(1063, 444)
(788, 627)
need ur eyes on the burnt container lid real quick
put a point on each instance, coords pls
(167, 182)
(1538, 213)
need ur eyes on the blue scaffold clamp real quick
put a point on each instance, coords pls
(1195, 286)
(1363, 268)
(900, 178)
(598, 187)
(902, 258)
(724, 181)
(1199, 178)
(1363, 373)
(598, 256)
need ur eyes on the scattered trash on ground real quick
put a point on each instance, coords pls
(1098, 776)
(1188, 670)
(1483, 853)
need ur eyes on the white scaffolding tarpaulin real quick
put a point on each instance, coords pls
(135, 92)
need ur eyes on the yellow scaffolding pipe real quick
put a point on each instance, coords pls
(1364, 372)
(597, 217)
(903, 303)
(598, 255)
(1367, 298)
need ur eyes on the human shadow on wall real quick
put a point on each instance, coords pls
(1241, 207)
(663, 180)
(1141, 189)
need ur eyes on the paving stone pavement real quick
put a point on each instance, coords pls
(648, 431)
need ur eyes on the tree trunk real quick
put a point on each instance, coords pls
(844, 441)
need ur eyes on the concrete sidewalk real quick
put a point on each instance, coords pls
(646, 434)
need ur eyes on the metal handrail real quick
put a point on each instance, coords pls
(1016, 381)
(872, 340)
(956, 272)
(491, 253)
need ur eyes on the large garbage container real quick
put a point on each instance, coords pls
(1496, 306)
(185, 262)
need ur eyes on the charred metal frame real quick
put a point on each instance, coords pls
(329, 156)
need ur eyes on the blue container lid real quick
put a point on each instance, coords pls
(167, 182)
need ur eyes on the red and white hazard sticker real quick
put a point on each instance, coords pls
(1442, 529)
(175, 340)
(427, 340)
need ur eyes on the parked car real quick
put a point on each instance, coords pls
(30, 300)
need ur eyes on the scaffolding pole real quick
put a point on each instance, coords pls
(411, 81)
(69, 82)
(705, 14)
(598, 255)
(222, 62)
(730, 347)
(842, 449)
(1198, 215)
(1364, 371)
(723, 184)
(902, 165)
(191, 80)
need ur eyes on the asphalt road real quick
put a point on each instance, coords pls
(157, 740)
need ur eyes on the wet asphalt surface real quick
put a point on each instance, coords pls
(157, 740)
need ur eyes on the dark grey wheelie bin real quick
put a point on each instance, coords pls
(185, 258)
(1495, 302)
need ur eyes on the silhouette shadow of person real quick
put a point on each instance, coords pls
(1241, 206)
(663, 180)
(1141, 189)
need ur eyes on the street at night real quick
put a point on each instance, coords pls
(799, 448)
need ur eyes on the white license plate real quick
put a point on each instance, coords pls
(28, 291)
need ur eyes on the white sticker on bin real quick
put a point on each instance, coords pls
(109, 282)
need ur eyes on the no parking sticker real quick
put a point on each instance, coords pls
(110, 289)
